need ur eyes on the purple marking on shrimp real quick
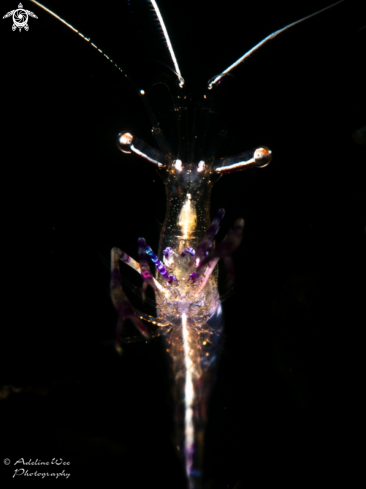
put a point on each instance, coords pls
(145, 270)
(160, 267)
(193, 277)
(229, 244)
(188, 250)
(168, 251)
(204, 247)
(172, 279)
(141, 243)
(124, 257)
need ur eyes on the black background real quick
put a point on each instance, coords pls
(286, 403)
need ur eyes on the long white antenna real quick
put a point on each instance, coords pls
(87, 39)
(169, 44)
(264, 41)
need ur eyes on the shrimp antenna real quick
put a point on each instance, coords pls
(87, 39)
(245, 56)
(139, 92)
(169, 44)
(162, 25)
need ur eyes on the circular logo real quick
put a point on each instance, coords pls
(20, 17)
(6, 461)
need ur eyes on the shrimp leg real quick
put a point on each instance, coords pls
(120, 299)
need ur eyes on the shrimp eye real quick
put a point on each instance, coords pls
(262, 156)
(124, 141)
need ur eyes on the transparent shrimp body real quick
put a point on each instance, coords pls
(186, 277)
(186, 286)
(187, 220)
(193, 310)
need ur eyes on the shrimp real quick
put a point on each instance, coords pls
(200, 303)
